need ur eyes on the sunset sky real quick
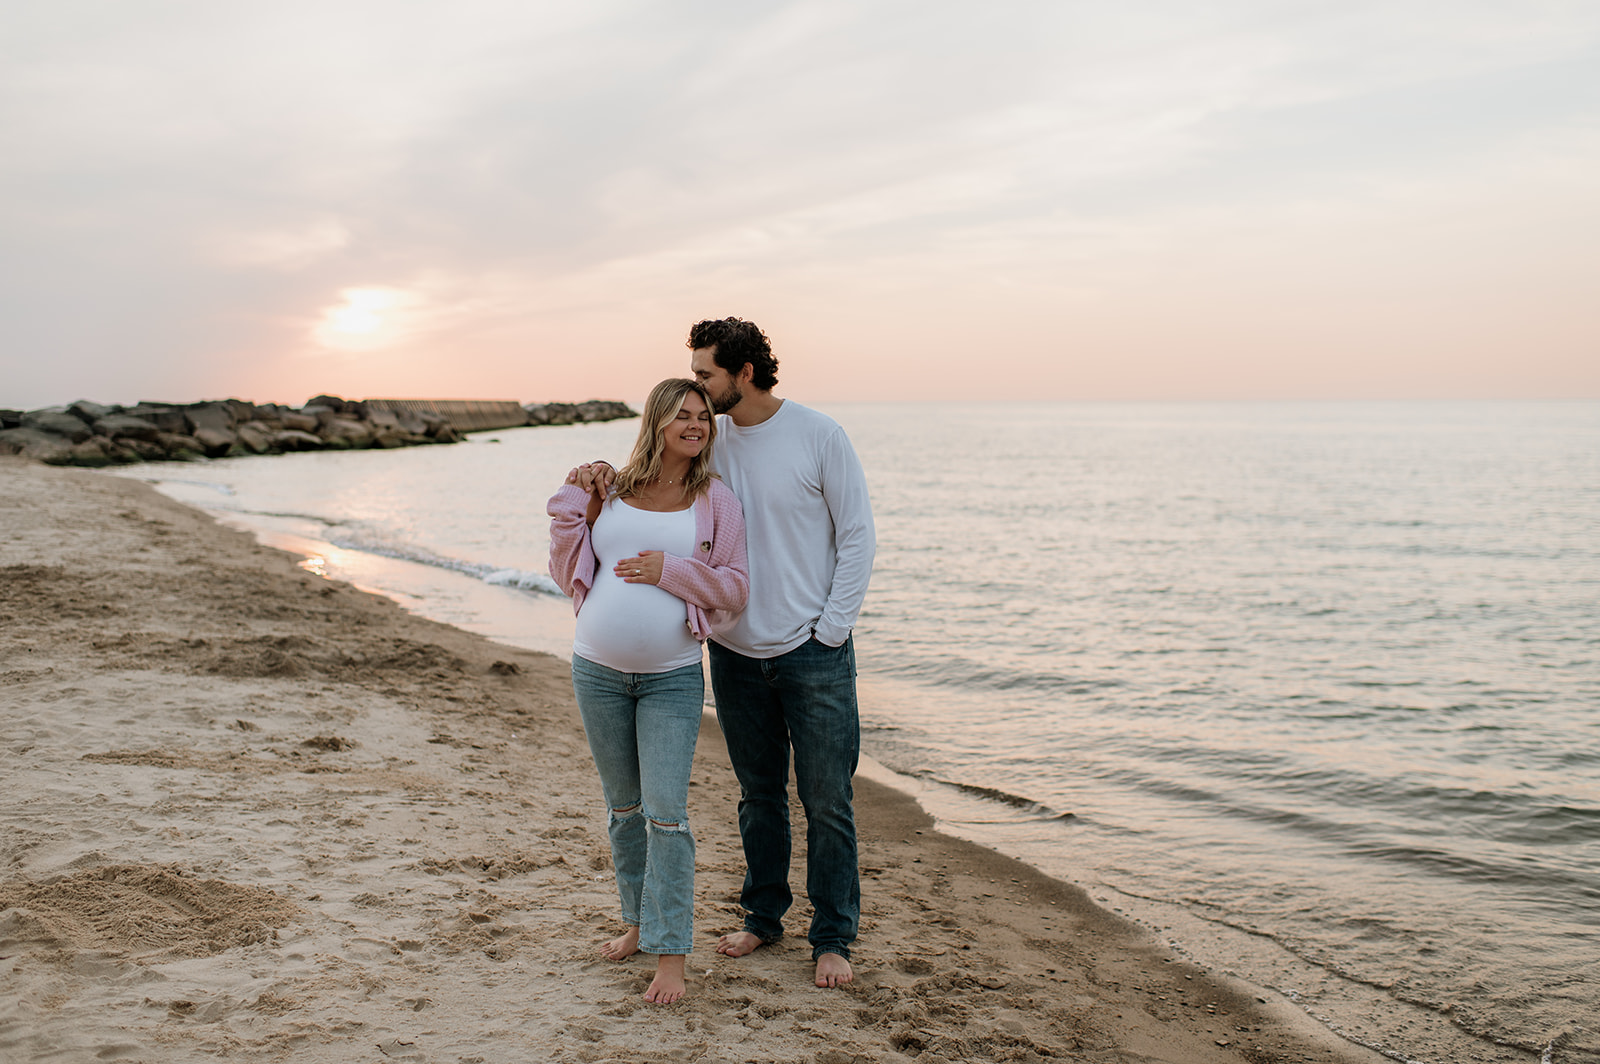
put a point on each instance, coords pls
(929, 199)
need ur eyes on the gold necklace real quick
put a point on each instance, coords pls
(660, 487)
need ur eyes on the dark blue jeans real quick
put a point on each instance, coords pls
(804, 701)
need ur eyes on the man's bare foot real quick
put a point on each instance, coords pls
(620, 949)
(738, 944)
(667, 986)
(833, 970)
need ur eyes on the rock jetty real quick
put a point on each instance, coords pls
(89, 434)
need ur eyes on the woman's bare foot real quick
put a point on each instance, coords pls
(620, 949)
(738, 944)
(667, 986)
(833, 970)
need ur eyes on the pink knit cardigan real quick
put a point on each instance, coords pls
(714, 583)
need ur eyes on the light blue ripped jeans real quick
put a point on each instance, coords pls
(642, 730)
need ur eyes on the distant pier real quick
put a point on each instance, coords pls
(464, 415)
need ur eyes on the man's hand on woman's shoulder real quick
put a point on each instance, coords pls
(595, 478)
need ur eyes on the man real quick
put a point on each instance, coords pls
(784, 672)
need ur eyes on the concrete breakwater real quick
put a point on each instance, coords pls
(89, 434)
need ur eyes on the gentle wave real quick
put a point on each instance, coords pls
(356, 537)
(967, 673)
(1037, 810)
(523, 580)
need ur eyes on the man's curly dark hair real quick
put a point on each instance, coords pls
(738, 341)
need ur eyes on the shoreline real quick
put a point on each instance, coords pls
(383, 832)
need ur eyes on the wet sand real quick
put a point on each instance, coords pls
(250, 812)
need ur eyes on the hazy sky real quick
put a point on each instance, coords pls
(529, 200)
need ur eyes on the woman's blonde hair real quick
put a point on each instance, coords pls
(660, 411)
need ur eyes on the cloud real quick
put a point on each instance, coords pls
(282, 248)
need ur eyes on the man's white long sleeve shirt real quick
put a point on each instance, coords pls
(808, 527)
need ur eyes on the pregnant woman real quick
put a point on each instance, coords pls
(651, 565)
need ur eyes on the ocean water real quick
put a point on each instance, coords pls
(1310, 689)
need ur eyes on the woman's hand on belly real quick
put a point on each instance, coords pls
(645, 568)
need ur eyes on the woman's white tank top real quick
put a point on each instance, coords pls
(636, 627)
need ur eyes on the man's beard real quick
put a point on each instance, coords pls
(729, 399)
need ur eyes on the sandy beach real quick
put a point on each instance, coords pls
(251, 813)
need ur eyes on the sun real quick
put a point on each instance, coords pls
(362, 311)
(366, 318)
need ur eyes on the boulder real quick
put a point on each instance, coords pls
(57, 423)
(129, 448)
(302, 422)
(126, 427)
(382, 418)
(242, 411)
(294, 440)
(604, 410)
(89, 413)
(216, 416)
(34, 443)
(217, 442)
(346, 433)
(10, 419)
(396, 438)
(411, 421)
(573, 413)
(181, 448)
(323, 414)
(257, 436)
(164, 417)
(96, 451)
(332, 402)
